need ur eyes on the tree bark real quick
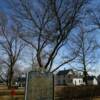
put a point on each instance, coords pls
(85, 77)
(10, 78)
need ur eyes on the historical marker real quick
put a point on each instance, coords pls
(39, 86)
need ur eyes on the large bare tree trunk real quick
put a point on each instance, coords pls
(10, 78)
(85, 78)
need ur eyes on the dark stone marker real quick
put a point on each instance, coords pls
(39, 86)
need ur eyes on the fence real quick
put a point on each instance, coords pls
(77, 93)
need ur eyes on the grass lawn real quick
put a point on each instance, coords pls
(6, 94)
(18, 97)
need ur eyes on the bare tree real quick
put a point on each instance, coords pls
(11, 47)
(86, 56)
(46, 26)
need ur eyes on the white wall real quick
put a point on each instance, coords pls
(95, 82)
(78, 81)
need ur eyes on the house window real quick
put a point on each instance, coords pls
(64, 82)
(75, 82)
(59, 82)
(69, 76)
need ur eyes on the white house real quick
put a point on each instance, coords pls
(92, 80)
(64, 77)
(69, 78)
(95, 82)
(78, 81)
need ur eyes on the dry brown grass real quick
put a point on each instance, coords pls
(5, 94)
(18, 97)
(97, 98)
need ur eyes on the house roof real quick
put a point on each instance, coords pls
(22, 79)
(64, 72)
(90, 78)
(98, 77)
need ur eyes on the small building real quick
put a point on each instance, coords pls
(20, 81)
(64, 77)
(69, 77)
(98, 79)
(92, 80)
